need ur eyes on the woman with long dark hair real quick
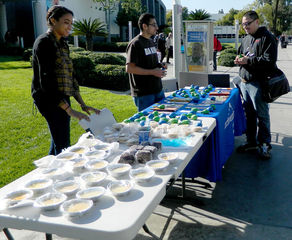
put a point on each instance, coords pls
(53, 81)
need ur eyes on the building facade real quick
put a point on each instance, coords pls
(27, 18)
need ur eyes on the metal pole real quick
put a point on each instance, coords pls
(3, 21)
(176, 34)
(236, 33)
(76, 43)
(130, 30)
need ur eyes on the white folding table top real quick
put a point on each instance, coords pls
(110, 217)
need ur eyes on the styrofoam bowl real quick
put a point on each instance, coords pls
(95, 154)
(17, 196)
(76, 207)
(118, 169)
(93, 178)
(66, 156)
(120, 188)
(158, 165)
(171, 157)
(77, 149)
(96, 165)
(50, 201)
(142, 174)
(93, 193)
(78, 164)
(39, 186)
(68, 187)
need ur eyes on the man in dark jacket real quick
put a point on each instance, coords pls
(257, 59)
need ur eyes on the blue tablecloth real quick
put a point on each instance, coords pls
(230, 122)
(217, 148)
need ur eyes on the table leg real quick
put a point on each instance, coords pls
(7, 234)
(183, 182)
(183, 196)
(146, 229)
(49, 236)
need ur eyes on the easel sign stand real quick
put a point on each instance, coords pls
(199, 45)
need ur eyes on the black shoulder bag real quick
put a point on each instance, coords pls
(275, 86)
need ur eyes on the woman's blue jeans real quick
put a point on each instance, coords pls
(257, 113)
(146, 101)
(59, 125)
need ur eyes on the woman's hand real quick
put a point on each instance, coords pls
(87, 109)
(72, 113)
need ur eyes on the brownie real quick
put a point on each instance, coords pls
(143, 156)
(127, 157)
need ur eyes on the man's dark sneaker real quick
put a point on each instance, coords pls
(265, 151)
(248, 147)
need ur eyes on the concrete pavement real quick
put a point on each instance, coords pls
(253, 200)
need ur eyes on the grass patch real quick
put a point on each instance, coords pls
(24, 136)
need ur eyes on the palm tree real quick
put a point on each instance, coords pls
(199, 14)
(89, 28)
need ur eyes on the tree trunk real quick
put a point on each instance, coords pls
(275, 18)
(108, 26)
(89, 43)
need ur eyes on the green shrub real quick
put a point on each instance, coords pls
(110, 47)
(226, 45)
(83, 67)
(122, 46)
(75, 49)
(229, 50)
(9, 50)
(107, 58)
(27, 54)
(93, 70)
(113, 77)
(226, 59)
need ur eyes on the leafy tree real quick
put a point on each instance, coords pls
(89, 28)
(185, 15)
(169, 18)
(198, 14)
(276, 14)
(108, 6)
(130, 11)
(228, 19)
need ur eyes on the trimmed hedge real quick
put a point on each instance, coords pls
(110, 47)
(92, 70)
(98, 70)
(113, 77)
(9, 50)
(225, 46)
(226, 59)
(27, 54)
(229, 50)
(107, 58)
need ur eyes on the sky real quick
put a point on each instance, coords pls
(211, 6)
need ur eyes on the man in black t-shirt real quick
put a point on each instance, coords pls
(145, 72)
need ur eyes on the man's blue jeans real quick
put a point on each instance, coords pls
(59, 125)
(147, 100)
(257, 113)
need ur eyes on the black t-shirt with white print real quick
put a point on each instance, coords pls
(142, 52)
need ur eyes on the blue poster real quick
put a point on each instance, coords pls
(197, 36)
(50, 3)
